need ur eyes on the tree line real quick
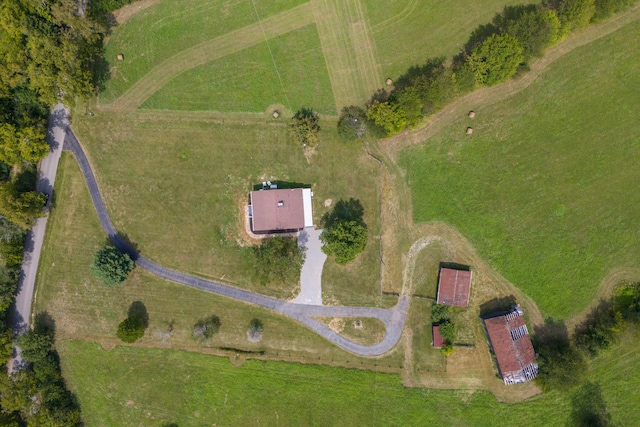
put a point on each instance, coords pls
(494, 53)
(50, 52)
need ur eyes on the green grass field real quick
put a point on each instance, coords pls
(82, 308)
(123, 387)
(177, 189)
(546, 187)
(408, 32)
(150, 37)
(250, 80)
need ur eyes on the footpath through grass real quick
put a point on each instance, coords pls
(289, 70)
(152, 387)
(546, 187)
(162, 30)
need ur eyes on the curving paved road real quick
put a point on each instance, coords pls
(393, 318)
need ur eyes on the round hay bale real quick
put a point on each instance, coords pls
(472, 114)
(120, 57)
(276, 114)
(389, 82)
(469, 130)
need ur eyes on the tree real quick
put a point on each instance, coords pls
(408, 100)
(439, 313)
(22, 209)
(12, 251)
(389, 116)
(561, 365)
(206, 328)
(131, 329)
(344, 240)
(496, 59)
(255, 330)
(573, 14)
(278, 260)
(535, 30)
(305, 127)
(111, 266)
(352, 123)
(606, 8)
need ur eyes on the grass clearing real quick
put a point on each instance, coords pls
(546, 187)
(246, 81)
(155, 34)
(84, 309)
(408, 32)
(177, 188)
(195, 389)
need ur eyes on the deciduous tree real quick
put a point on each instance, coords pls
(496, 59)
(111, 266)
(305, 127)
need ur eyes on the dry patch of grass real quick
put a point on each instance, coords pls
(365, 331)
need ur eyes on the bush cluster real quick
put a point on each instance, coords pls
(37, 394)
(441, 316)
(278, 260)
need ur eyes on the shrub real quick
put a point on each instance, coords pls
(352, 123)
(305, 127)
(111, 266)
(278, 260)
(389, 116)
(206, 328)
(439, 313)
(255, 330)
(131, 329)
(606, 8)
(448, 331)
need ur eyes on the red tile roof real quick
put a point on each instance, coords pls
(510, 341)
(454, 287)
(437, 340)
(277, 210)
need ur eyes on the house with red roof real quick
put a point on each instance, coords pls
(454, 287)
(510, 342)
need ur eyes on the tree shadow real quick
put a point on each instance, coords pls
(381, 95)
(138, 310)
(497, 305)
(44, 323)
(595, 316)
(426, 70)
(344, 210)
(588, 407)
(124, 245)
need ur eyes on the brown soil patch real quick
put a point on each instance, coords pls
(121, 15)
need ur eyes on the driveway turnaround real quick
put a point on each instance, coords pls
(20, 317)
(393, 318)
(311, 272)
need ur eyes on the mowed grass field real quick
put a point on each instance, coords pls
(178, 189)
(289, 70)
(152, 387)
(408, 32)
(150, 37)
(83, 309)
(546, 187)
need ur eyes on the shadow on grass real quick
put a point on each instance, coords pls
(138, 310)
(497, 305)
(344, 210)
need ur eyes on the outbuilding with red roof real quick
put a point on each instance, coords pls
(510, 341)
(454, 287)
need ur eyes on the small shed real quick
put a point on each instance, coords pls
(454, 287)
(437, 341)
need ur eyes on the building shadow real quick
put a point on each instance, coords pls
(498, 305)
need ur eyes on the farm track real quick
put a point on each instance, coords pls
(202, 53)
